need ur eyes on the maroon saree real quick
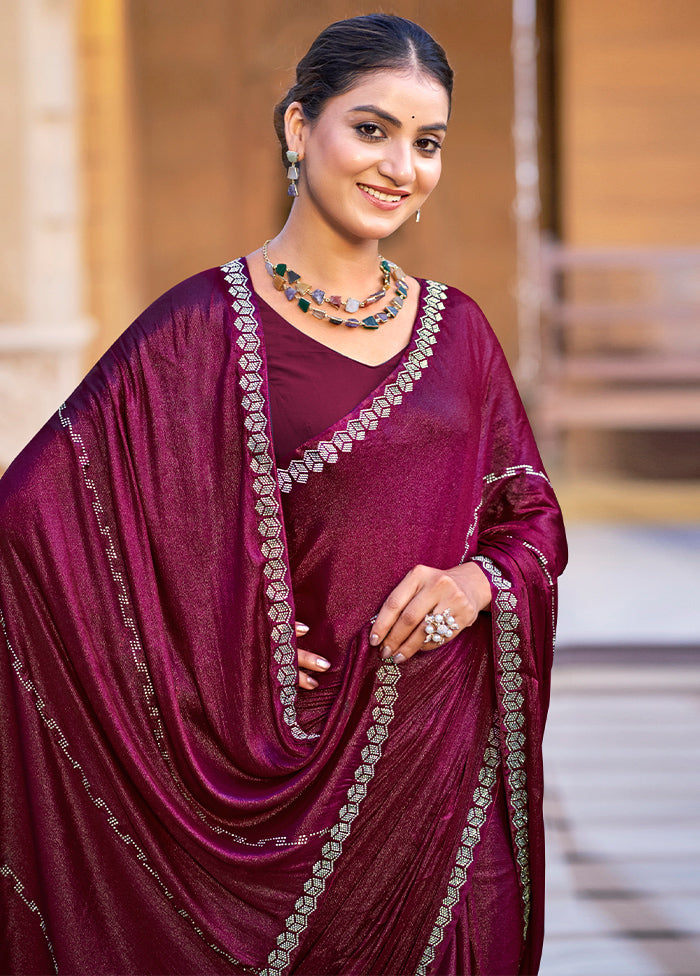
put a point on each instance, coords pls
(171, 802)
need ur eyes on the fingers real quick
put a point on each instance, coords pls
(308, 661)
(394, 606)
(312, 661)
(306, 681)
(400, 625)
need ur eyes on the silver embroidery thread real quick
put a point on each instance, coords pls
(7, 872)
(305, 905)
(515, 469)
(138, 655)
(98, 801)
(542, 560)
(391, 394)
(471, 835)
(489, 479)
(509, 662)
(262, 465)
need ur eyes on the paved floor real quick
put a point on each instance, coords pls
(622, 755)
(622, 758)
(631, 584)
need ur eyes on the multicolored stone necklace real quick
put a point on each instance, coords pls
(289, 282)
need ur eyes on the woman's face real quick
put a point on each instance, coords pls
(372, 157)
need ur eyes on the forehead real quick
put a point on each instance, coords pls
(402, 92)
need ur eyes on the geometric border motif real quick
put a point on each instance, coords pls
(542, 560)
(343, 441)
(471, 835)
(7, 872)
(509, 663)
(110, 818)
(288, 940)
(136, 647)
(515, 469)
(511, 471)
(267, 507)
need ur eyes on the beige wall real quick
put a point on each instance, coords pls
(629, 108)
(12, 245)
(108, 163)
(208, 183)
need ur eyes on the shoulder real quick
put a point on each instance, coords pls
(462, 315)
(190, 302)
(181, 338)
(186, 320)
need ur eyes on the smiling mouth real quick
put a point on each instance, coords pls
(379, 195)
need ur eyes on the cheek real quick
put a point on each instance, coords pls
(346, 155)
(430, 176)
(351, 158)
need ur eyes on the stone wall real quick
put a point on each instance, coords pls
(43, 329)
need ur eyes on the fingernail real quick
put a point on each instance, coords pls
(374, 639)
(301, 628)
(322, 663)
(314, 683)
(399, 658)
(386, 652)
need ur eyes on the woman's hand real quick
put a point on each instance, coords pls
(400, 624)
(308, 660)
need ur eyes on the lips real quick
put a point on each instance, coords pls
(383, 196)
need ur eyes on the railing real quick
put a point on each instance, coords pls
(620, 340)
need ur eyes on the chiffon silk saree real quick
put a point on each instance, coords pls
(171, 801)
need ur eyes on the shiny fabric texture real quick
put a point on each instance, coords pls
(309, 385)
(171, 802)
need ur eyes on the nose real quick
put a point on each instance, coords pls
(398, 164)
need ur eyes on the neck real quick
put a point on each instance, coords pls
(326, 258)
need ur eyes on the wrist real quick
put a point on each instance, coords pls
(477, 583)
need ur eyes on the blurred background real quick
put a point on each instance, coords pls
(137, 148)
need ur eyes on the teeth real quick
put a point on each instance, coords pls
(388, 197)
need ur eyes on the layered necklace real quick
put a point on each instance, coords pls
(294, 289)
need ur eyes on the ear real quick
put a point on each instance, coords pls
(296, 126)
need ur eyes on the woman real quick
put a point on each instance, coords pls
(177, 796)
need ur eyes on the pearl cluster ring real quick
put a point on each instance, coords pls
(439, 627)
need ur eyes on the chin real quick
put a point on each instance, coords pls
(377, 229)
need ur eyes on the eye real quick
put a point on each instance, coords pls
(428, 146)
(369, 131)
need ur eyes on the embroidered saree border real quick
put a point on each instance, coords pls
(288, 940)
(139, 657)
(542, 560)
(110, 818)
(509, 661)
(483, 797)
(18, 887)
(508, 665)
(489, 479)
(267, 507)
(391, 395)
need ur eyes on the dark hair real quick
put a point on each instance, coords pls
(350, 48)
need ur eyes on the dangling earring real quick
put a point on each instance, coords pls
(418, 216)
(292, 173)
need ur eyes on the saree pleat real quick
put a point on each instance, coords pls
(171, 802)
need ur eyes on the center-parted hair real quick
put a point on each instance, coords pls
(348, 49)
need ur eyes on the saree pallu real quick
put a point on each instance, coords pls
(171, 802)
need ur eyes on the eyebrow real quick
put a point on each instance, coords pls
(392, 120)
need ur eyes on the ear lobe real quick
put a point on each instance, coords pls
(295, 127)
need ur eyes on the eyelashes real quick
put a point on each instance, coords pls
(432, 146)
(363, 130)
(371, 132)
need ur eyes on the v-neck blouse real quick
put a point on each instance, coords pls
(311, 386)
